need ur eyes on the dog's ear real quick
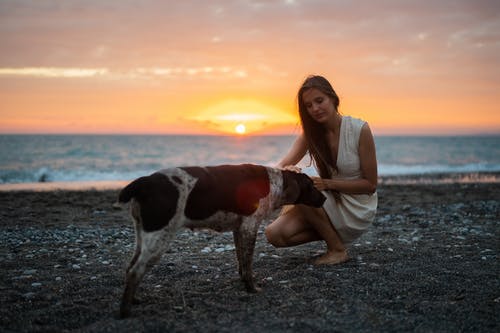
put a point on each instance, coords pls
(291, 187)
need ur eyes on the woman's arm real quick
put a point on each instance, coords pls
(368, 163)
(295, 154)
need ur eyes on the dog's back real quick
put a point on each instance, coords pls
(230, 188)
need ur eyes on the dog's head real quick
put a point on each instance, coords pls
(298, 188)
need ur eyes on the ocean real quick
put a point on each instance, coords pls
(96, 158)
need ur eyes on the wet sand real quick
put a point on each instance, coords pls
(428, 264)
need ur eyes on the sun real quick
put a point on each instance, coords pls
(240, 129)
(242, 117)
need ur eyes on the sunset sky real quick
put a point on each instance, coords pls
(211, 67)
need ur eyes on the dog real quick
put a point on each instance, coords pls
(223, 198)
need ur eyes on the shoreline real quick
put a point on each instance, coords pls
(417, 179)
(101, 185)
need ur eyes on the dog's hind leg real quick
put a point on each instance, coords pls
(138, 236)
(133, 277)
(150, 251)
(244, 239)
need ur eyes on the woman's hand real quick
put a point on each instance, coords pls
(325, 184)
(320, 183)
(293, 168)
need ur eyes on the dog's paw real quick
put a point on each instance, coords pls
(256, 290)
(251, 288)
(124, 311)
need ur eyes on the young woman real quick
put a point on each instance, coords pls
(343, 152)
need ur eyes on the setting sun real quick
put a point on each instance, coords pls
(243, 116)
(240, 129)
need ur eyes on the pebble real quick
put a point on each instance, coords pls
(206, 250)
(36, 284)
(227, 247)
(29, 272)
(29, 295)
(75, 266)
(404, 240)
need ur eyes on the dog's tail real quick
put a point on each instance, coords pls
(132, 190)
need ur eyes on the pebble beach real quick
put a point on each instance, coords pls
(428, 264)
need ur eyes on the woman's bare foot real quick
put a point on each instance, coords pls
(332, 258)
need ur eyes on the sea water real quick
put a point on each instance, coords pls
(77, 158)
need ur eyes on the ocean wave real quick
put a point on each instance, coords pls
(38, 159)
(47, 174)
(43, 175)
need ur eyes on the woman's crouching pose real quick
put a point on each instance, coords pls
(343, 152)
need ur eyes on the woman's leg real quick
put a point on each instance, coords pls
(336, 252)
(302, 224)
(291, 229)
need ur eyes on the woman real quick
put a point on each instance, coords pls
(343, 152)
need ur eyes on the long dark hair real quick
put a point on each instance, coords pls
(315, 133)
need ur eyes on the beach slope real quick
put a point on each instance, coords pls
(429, 263)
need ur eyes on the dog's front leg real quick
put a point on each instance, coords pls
(237, 246)
(244, 240)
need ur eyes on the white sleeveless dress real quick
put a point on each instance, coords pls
(353, 213)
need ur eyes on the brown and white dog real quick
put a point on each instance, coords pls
(223, 198)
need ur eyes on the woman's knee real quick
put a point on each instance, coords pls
(274, 236)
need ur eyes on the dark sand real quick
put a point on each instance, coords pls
(428, 264)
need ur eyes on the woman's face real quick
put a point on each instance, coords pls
(319, 105)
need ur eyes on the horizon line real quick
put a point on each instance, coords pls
(240, 135)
